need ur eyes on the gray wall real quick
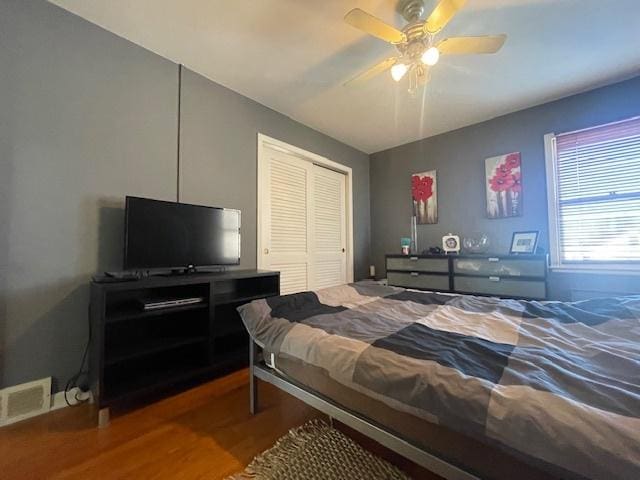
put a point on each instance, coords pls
(85, 119)
(459, 157)
(218, 156)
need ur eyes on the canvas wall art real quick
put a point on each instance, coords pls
(504, 186)
(424, 191)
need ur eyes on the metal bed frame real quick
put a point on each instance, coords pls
(259, 370)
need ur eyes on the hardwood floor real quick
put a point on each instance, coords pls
(205, 432)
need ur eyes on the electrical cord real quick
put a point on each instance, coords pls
(73, 381)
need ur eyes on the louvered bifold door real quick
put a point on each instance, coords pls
(285, 222)
(328, 228)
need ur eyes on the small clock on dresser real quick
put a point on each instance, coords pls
(451, 243)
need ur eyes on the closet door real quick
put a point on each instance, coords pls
(302, 222)
(328, 228)
(285, 219)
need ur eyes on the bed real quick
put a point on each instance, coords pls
(469, 387)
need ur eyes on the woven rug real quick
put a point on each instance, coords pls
(317, 451)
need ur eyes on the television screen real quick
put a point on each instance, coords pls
(162, 234)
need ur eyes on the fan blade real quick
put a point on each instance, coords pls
(372, 72)
(374, 26)
(467, 45)
(442, 14)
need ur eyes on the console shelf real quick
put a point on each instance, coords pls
(137, 352)
(131, 313)
(152, 381)
(229, 298)
(128, 352)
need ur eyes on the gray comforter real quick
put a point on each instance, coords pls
(559, 382)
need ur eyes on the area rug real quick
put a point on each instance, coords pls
(317, 451)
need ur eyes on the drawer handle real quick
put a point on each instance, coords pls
(494, 279)
(493, 259)
(414, 274)
(413, 259)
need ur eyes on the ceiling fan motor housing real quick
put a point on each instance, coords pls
(411, 10)
(413, 49)
(417, 39)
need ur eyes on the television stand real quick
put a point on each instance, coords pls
(137, 353)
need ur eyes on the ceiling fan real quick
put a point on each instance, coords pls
(417, 48)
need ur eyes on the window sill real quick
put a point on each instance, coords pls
(591, 270)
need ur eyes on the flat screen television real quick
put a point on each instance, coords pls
(170, 235)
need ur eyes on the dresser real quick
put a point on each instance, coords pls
(510, 276)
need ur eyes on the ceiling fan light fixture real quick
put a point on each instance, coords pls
(416, 50)
(430, 56)
(398, 71)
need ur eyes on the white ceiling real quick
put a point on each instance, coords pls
(294, 55)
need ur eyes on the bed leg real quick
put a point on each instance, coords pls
(253, 381)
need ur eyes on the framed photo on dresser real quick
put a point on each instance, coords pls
(524, 242)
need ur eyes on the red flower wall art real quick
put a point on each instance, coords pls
(504, 186)
(424, 193)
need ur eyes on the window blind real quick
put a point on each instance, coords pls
(598, 193)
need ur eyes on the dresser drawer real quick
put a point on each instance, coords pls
(500, 287)
(494, 266)
(416, 264)
(418, 280)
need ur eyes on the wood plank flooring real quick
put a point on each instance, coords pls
(205, 432)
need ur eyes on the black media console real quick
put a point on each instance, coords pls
(137, 352)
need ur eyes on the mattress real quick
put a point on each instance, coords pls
(556, 384)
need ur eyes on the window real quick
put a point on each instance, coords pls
(593, 179)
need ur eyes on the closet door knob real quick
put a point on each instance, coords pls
(266, 251)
